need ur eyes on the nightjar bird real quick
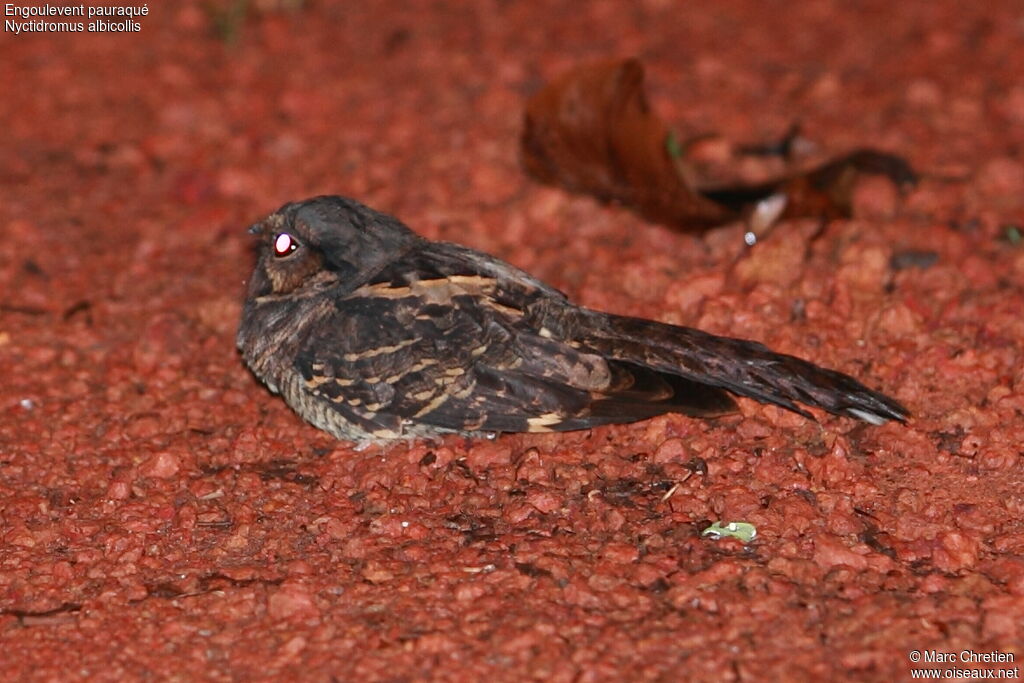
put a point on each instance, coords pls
(371, 333)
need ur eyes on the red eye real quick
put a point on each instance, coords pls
(284, 244)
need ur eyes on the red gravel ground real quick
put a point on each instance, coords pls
(163, 516)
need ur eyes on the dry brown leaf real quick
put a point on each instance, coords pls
(592, 131)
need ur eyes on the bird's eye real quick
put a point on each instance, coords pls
(284, 244)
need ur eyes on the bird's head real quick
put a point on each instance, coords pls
(324, 241)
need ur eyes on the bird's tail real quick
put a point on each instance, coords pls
(742, 367)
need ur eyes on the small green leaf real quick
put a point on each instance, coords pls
(1013, 234)
(673, 146)
(744, 531)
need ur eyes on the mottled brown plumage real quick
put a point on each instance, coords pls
(372, 333)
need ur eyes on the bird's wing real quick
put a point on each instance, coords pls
(742, 367)
(461, 352)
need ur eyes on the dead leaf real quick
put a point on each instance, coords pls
(592, 131)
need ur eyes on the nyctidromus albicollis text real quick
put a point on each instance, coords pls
(371, 332)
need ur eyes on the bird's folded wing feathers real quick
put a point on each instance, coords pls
(742, 367)
(457, 353)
